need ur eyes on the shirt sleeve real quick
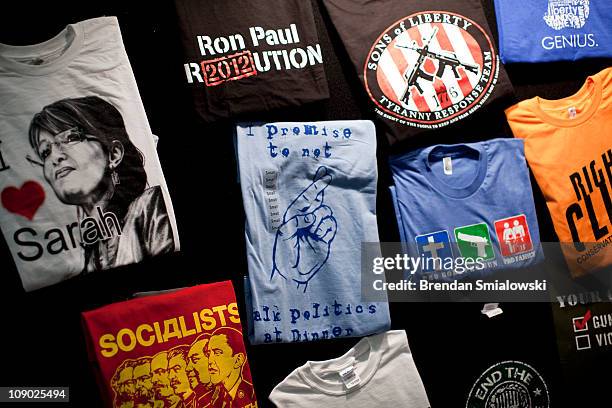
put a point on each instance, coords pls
(147, 231)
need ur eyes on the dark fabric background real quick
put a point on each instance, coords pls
(453, 344)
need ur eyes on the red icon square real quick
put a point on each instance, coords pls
(513, 235)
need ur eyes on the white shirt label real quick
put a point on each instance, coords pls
(349, 377)
(272, 198)
(448, 166)
(491, 310)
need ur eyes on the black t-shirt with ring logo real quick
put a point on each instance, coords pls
(425, 65)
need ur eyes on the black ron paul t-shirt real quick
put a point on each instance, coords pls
(424, 64)
(249, 56)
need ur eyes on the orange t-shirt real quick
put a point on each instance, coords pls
(568, 145)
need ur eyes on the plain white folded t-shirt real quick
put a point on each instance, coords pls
(378, 372)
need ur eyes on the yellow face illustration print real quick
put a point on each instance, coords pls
(123, 384)
(177, 362)
(197, 364)
(206, 372)
(143, 387)
(224, 361)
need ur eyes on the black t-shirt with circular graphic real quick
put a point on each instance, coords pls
(425, 65)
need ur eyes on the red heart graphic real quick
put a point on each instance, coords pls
(25, 200)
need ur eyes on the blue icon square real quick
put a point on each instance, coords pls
(432, 246)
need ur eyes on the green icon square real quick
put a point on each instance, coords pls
(474, 241)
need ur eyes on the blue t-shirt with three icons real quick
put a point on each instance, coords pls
(471, 201)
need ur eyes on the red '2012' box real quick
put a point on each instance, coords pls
(229, 68)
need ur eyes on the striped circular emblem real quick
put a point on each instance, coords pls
(431, 69)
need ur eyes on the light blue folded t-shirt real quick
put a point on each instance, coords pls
(309, 192)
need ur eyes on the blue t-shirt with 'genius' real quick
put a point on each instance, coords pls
(553, 30)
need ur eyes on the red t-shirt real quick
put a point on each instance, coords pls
(184, 347)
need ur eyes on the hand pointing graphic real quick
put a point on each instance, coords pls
(303, 241)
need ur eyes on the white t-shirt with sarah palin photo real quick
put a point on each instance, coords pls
(81, 186)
